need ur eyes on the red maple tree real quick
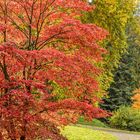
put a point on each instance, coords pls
(42, 41)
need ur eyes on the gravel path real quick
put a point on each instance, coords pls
(125, 136)
(119, 134)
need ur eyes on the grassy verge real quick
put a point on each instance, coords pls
(108, 129)
(79, 133)
(97, 124)
(94, 122)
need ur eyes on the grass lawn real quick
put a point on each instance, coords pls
(79, 133)
(94, 122)
(101, 126)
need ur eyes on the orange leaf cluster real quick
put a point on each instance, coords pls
(136, 99)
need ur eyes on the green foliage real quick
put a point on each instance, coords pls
(78, 133)
(120, 91)
(113, 16)
(94, 122)
(126, 118)
(127, 76)
(133, 32)
(59, 92)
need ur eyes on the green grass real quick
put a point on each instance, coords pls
(79, 133)
(94, 122)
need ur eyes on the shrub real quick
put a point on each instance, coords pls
(126, 118)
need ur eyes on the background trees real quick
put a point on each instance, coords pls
(43, 42)
(121, 63)
(127, 76)
(113, 16)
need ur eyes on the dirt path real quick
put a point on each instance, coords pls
(119, 134)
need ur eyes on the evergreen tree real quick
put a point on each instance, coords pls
(120, 91)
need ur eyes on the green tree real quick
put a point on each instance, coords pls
(127, 76)
(112, 15)
(133, 40)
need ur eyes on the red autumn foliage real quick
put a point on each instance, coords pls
(41, 41)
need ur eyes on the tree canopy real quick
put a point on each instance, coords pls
(113, 16)
(127, 76)
(43, 41)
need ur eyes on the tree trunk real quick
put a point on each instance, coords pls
(22, 138)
